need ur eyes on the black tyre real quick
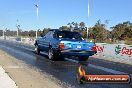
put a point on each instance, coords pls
(37, 50)
(61, 58)
(52, 55)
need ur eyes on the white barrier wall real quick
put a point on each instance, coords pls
(20, 39)
(115, 52)
(28, 40)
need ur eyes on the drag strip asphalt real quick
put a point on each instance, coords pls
(65, 71)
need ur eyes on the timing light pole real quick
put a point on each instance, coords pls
(88, 17)
(18, 27)
(37, 10)
(3, 34)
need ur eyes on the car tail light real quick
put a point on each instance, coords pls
(94, 48)
(61, 45)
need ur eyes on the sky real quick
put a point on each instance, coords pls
(56, 13)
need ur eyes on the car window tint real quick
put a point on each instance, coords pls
(51, 34)
(69, 35)
(47, 35)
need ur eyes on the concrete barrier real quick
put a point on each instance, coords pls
(20, 39)
(28, 40)
(115, 52)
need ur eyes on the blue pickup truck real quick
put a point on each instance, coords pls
(63, 43)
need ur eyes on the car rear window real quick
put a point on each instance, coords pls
(69, 35)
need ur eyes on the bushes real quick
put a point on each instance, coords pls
(128, 41)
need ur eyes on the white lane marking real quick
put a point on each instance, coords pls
(106, 69)
(72, 60)
(34, 50)
(28, 49)
(101, 68)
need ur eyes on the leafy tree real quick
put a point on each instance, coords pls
(45, 30)
(122, 30)
(70, 25)
(32, 33)
(1, 32)
(99, 32)
(24, 33)
(64, 28)
(82, 25)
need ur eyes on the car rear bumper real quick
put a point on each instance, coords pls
(77, 52)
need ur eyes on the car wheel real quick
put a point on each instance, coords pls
(37, 50)
(51, 54)
(83, 58)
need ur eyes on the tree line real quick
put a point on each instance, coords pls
(98, 33)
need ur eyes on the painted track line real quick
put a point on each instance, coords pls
(101, 68)
(106, 69)
(28, 49)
